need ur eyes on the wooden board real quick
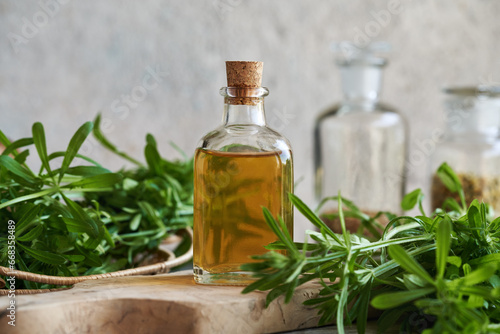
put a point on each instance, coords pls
(168, 303)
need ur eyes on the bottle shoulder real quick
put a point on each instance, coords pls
(479, 157)
(346, 110)
(380, 115)
(470, 144)
(245, 138)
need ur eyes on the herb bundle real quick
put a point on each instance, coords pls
(84, 219)
(433, 274)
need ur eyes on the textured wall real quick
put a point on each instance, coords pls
(63, 61)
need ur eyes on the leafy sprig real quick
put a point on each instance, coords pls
(81, 219)
(440, 272)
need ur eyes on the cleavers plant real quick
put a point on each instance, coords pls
(430, 274)
(83, 219)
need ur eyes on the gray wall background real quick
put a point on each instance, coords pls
(63, 61)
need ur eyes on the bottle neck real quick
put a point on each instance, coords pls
(244, 114)
(361, 83)
(244, 105)
(472, 119)
(473, 127)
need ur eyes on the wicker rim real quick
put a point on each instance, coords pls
(160, 267)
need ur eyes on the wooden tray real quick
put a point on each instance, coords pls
(167, 303)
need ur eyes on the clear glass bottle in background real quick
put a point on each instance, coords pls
(471, 145)
(240, 167)
(360, 144)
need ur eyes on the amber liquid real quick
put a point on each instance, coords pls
(230, 190)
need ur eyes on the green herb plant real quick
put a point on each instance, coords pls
(430, 274)
(84, 219)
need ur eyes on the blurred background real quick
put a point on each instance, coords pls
(156, 67)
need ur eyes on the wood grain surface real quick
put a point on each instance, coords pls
(168, 303)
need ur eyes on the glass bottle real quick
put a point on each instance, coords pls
(471, 145)
(240, 167)
(360, 144)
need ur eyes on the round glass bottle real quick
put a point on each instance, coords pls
(240, 167)
(471, 145)
(360, 144)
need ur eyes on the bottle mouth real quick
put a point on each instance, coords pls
(482, 91)
(369, 61)
(244, 91)
(352, 54)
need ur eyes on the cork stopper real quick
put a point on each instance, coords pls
(244, 74)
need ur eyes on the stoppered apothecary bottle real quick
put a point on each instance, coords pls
(471, 145)
(240, 167)
(360, 144)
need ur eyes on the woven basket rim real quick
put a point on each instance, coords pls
(160, 267)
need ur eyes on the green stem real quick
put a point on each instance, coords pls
(142, 233)
(393, 264)
(421, 208)
(85, 190)
(28, 197)
(462, 199)
(386, 243)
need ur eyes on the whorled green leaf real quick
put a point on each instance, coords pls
(87, 170)
(454, 260)
(40, 144)
(93, 243)
(21, 157)
(394, 299)
(153, 159)
(449, 178)
(44, 256)
(474, 217)
(59, 154)
(151, 214)
(91, 257)
(411, 199)
(4, 140)
(479, 291)
(28, 218)
(408, 263)
(74, 146)
(32, 234)
(79, 214)
(474, 301)
(451, 181)
(277, 229)
(493, 258)
(96, 181)
(413, 282)
(150, 140)
(495, 281)
(443, 242)
(12, 148)
(312, 217)
(24, 198)
(451, 205)
(494, 225)
(109, 239)
(481, 274)
(77, 226)
(15, 168)
(135, 222)
(74, 257)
